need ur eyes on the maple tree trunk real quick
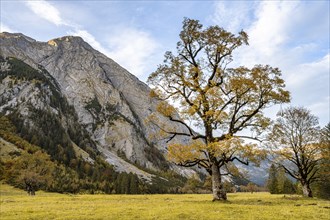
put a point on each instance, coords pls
(219, 192)
(306, 189)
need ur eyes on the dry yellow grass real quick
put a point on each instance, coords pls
(15, 204)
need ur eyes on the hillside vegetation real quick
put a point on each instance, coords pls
(28, 166)
(15, 204)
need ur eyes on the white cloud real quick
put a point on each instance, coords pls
(232, 16)
(302, 74)
(321, 109)
(5, 28)
(133, 49)
(46, 11)
(280, 34)
(310, 86)
(268, 33)
(89, 38)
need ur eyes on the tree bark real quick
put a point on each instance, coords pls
(306, 189)
(30, 189)
(219, 192)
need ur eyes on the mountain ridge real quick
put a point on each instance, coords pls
(110, 103)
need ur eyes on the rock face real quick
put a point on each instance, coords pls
(106, 101)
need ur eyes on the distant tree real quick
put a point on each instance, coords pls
(107, 187)
(220, 101)
(289, 187)
(6, 125)
(65, 180)
(323, 185)
(272, 180)
(32, 182)
(281, 177)
(208, 183)
(251, 187)
(133, 184)
(228, 186)
(295, 139)
(192, 185)
(2, 169)
(284, 184)
(127, 183)
(31, 171)
(278, 182)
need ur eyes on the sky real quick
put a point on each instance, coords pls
(291, 35)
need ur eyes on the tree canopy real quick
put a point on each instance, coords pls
(295, 137)
(212, 97)
(323, 185)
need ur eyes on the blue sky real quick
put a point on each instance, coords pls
(291, 35)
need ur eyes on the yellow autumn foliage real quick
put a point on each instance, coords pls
(179, 153)
(165, 109)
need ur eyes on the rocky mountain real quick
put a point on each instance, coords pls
(258, 175)
(65, 96)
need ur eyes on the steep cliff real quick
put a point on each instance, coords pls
(99, 107)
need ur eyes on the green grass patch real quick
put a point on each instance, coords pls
(16, 204)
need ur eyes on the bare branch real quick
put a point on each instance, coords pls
(241, 161)
(248, 137)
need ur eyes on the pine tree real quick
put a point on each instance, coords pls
(285, 185)
(289, 187)
(272, 183)
(133, 184)
(281, 179)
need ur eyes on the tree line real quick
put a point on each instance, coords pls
(31, 168)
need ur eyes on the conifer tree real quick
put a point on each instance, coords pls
(272, 183)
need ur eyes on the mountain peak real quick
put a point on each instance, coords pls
(68, 39)
(53, 42)
(16, 35)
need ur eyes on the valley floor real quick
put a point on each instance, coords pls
(16, 204)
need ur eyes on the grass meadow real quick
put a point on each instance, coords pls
(16, 204)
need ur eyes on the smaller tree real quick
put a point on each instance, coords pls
(289, 187)
(31, 171)
(133, 183)
(32, 182)
(251, 187)
(323, 186)
(278, 182)
(295, 141)
(193, 185)
(284, 184)
(272, 180)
